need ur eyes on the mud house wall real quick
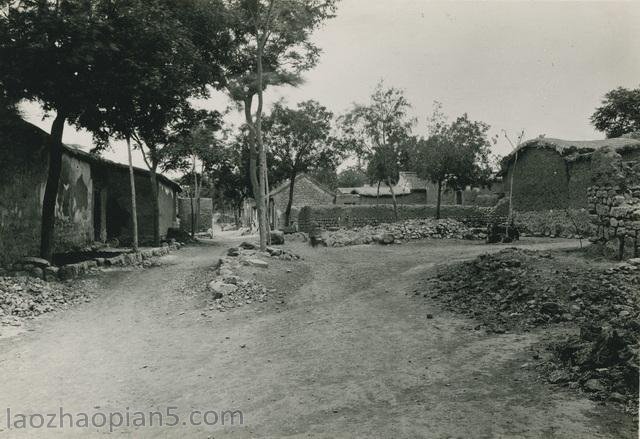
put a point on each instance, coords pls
(115, 181)
(305, 193)
(470, 197)
(23, 174)
(541, 181)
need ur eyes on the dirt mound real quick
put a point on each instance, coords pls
(522, 289)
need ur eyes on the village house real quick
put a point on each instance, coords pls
(410, 189)
(307, 191)
(94, 198)
(554, 173)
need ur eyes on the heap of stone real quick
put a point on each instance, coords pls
(403, 231)
(249, 251)
(229, 291)
(521, 289)
(29, 297)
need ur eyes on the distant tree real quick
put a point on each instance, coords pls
(273, 47)
(455, 154)
(619, 113)
(352, 176)
(191, 140)
(379, 133)
(300, 140)
(50, 54)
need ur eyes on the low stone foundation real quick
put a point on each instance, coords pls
(40, 268)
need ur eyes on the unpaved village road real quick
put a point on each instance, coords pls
(350, 353)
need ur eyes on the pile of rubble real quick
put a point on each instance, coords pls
(27, 297)
(247, 251)
(229, 291)
(522, 289)
(388, 233)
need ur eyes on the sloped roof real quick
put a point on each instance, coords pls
(75, 150)
(39, 138)
(572, 150)
(569, 147)
(285, 185)
(407, 182)
(414, 181)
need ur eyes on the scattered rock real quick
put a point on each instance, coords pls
(594, 385)
(233, 251)
(277, 237)
(218, 287)
(38, 262)
(256, 263)
(248, 246)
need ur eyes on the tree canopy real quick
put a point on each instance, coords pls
(455, 154)
(619, 113)
(299, 139)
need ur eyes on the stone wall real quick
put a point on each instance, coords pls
(206, 214)
(565, 223)
(335, 216)
(614, 204)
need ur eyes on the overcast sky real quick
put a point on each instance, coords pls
(541, 67)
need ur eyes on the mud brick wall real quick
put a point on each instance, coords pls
(336, 216)
(23, 175)
(544, 180)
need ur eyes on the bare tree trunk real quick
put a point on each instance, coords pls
(439, 199)
(134, 209)
(47, 231)
(156, 205)
(287, 212)
(378, 194)
(393, 199)
(513, 171)
(192, 213)
(196, 195)
(262, 213)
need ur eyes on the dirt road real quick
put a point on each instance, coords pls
(349, 353)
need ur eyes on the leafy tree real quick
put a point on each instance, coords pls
(300, 140)
(619, 113)
(191, 140)
(163, 61)
(51, 52)
(353, 176)
(455, 154)
(379, 134)
(272, 48)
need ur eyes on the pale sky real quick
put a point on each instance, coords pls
(541, 67)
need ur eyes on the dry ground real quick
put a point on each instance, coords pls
(346, 351)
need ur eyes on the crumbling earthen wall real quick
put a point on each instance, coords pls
(23, 175)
